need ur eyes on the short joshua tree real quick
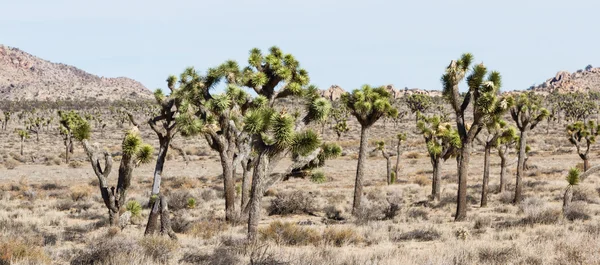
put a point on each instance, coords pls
(582, 136)
(23, 134)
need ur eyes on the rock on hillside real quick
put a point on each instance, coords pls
(335, 92)
(564, 82)
(24, 76)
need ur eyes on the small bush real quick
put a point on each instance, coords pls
(290, 234)
(104, 250)
(586, 194)
(506, 197)
(337, 213)
(207, 229)
(340, 237)
(80, 192)
(422, 180)
(12, 250)
(11, 163)
(497, 255)
(413, 155)
(318, 177)
(191, 203)
(295, 202)
(208, 195)
(426, 234)
(158, 247)
(577, 211)
(223, 255)
(64, 205)
(537, 212)
(134, 207)
(418, 214)
(482, 222)
(75, 164)
(179, 200)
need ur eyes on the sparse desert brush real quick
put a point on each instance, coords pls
(413, 155)
(208, 195)
(80, 192)
(182, 183)
(340, 237)
(11, 163)
(75, 164)
(418, 214)
(158, 247)
(20, 251)
(498, 254)
(421, 180)
(537, 211)
(318, 177)
(53, 160)
(577, 211)
(207, 229)
(423, 234)
(178, 199)
(290, 234)
(296, 202)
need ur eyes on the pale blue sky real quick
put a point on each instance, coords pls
(349, 43)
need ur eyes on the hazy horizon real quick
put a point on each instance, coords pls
(348, 44)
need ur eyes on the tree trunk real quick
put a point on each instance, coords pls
(67, 142)
(520, 166)
(165, 219)
(436, 179)
(389, 168)
(486, 176)
(113, 218)
(246, 182)
(152, 225)
(463, 174)
(502, 187)
(22, 141)
(586, 163)
(257, 193)
(362, 158)
(229, 186)
(397, 161)
(568, 197)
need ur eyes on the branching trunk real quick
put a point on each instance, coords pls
(260, 170)
(155, 211)
(229, 186)
(362, 158)
(520, 167)
(388, 160)
(463, 174)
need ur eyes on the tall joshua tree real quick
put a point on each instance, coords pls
(497, 132)
(527, 112)
(367, 105)
(401, 137)
(388, 159)
(442, 142)
(582, 136)
(483, 94)
(23, 134)
(135, 152)
(69, 121)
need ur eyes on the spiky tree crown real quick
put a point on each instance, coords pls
(440, 137)
(23, 134)
(418, 102)
(527, 111)
(401, 137)
(134, 146)
(573, 176)
(72, 123)
(579, 131)
(369, 104)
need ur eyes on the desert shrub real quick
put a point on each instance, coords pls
(50, 186)
(418, 214)
(207, 229)
(295, 202)
(422, 180)
(11, 163)
(134, 207)
(577, 211)
(497, 255)
(75, 164)
(186, 183)
(586, 194)
(208, 195)
(17, 250)
(413, 155)
(191, 203)
(537, 211)
(318, 177)
(179, 200)
(80, 192)
(340, 237)
(335, 212)
(64, 205)
(377, 207)
(482, 222)
(424, 234)
(506, 197)
(53, 160)
(104, 251)
(75, 233)
(158, 247)
(290, 234)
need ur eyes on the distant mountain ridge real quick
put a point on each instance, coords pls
(584, 80)
(25, 76)
(335, 92)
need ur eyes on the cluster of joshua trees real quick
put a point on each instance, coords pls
(254, 131)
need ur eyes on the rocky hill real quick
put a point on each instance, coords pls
(335, 92)
(24, 76)
(564, 82)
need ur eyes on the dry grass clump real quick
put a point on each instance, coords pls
(75, 164)
(207, 229)
(418, 214)
(158, 247)
(585, 193)
(80, 192)
(115, 250)
(178, 200)
(537, 211)
(340, 237)
(18, 250)
(423, 234)
(296, 202)
(413, 155)
(498, 255)
(577, 211)
(421, 180)
(53, 160)
(290, 234)
(336, 212)
(11, 163)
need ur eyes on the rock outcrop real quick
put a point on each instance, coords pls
(24, 76)
(565, 82)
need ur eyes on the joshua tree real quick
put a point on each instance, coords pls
(483, 94)
(388, 158)
(498, 133)
(368, 105)
(442, 142)
(172, 110)
(573, 179)
(35, 125)
(418, 103)
(340, 128)
(134, 153)
(582, 136)
(527, 112)
(69, 122)
(6, 119)
(303, 165)
(505, 143)
(23, 134)
(401, 137)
